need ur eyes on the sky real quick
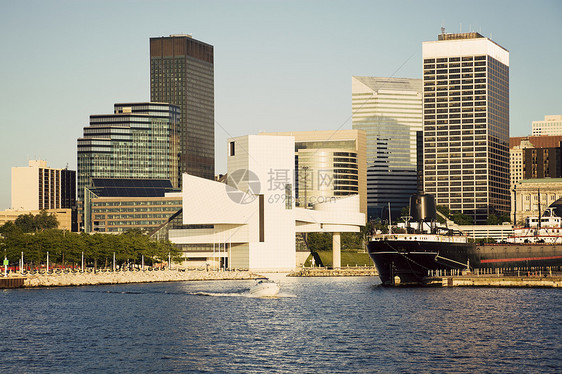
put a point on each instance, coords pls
(279, 65)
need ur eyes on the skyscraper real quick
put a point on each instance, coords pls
(466, 124)
(182, 73)
(389, 110)
(138, 141)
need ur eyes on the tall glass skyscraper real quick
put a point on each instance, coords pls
(466, 124)
(139, 140)
(389, 110)
(182, 73)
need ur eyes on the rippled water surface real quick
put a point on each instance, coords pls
(317, 325)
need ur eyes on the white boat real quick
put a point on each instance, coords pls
(264, 287)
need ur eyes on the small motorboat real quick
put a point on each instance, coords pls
(264, 287)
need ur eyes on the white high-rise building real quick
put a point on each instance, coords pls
(389, 110)
(39, 187)
(466, 124)
(552, 125)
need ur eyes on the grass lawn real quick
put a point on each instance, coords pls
(348, 258)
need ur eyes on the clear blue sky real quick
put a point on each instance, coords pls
(279, 65)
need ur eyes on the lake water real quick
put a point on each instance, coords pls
(317, 325)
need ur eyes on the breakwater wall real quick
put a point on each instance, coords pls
(494, 281)
(341, 272)
(121, 277)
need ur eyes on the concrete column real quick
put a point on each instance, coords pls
(336, 248)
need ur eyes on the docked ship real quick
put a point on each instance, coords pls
(427, 248)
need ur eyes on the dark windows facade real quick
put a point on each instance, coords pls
(182, 73)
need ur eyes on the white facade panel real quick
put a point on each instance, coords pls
(465, 47)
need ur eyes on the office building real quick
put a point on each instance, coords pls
(534, 157)
(552, 125)
(137, 141)
(389, 110)
(37, 187)
(329, 165)
(466, 124)
(118, 205)
(182, 73)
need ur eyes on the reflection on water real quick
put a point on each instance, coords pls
(325, 325)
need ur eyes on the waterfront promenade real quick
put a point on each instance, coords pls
(118, 277)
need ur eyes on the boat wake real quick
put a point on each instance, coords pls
(242, 294)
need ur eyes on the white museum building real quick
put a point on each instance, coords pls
(251, 221)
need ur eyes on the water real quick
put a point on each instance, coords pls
(318, 325)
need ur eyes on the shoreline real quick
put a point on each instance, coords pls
(125, 277)
(357, 271)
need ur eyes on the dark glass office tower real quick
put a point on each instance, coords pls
(182, 73)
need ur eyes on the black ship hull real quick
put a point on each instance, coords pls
(411, 261)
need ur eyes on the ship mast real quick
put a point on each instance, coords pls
(540, 215)
(389, 220)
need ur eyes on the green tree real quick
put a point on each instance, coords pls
(45, 221)
(40, 222)
(461, 219)
(319, 241)
(25, 222)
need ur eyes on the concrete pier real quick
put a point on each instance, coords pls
(494, 281)
(12, 282)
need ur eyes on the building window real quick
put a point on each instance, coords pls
(232, 150)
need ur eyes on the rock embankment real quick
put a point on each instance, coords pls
(340, 272)
(87, 278)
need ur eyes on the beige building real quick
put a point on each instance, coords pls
(38, 187)
(329, 165)
(466, 124)
(525, 200)
(516, 161)
(552, 125)
(64, 216)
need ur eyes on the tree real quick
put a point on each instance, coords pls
(42, 221)
(462, 219)
(25, 222)
(319, 241)
(46, 221)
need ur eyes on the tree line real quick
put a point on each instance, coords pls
(37, 235)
